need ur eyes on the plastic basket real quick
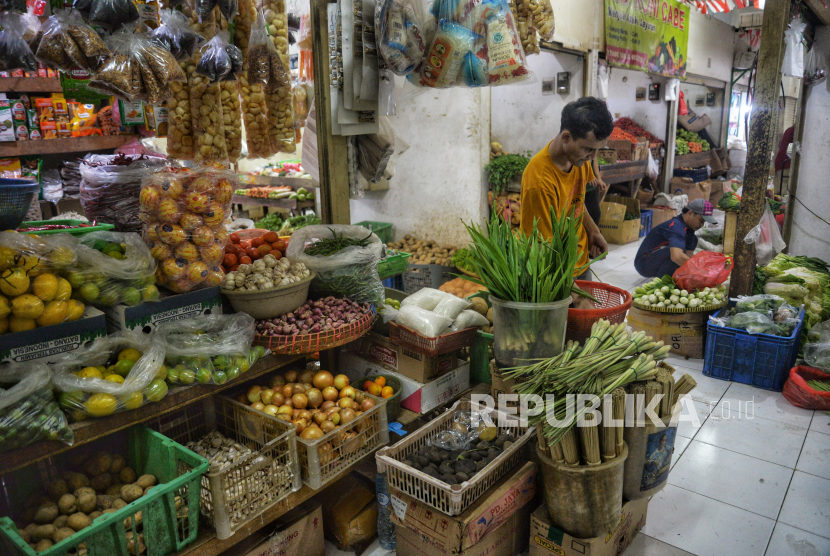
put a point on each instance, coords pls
(312, 343)
(451, 500)
(97, 227)
(613, 305)
(432, 347)
(393, 403)
(381, 229)
(645, 222)
(16, 198)
(165, 520)
(393, 265)
(696, 174)
(418, 276)
(244, 490)
(760, 360)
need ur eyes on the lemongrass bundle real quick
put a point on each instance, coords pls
(653, 388)
(618, 398)
(556, 453)
(665, 378)
(570, 448)
(638, 391)
(543, 444)
(684, 385)
(611, 433)
(589, 440)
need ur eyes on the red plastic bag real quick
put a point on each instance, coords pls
(682, 109)
(799, 393)
(707, 269)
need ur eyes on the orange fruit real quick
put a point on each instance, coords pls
(387, 392)
(366, 385)
(374, 389)
(380, 381)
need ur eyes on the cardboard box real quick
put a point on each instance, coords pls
(685, 186)
(350, 511)
(684, 332)
(608, 154)
(693, 122)
(417, 366)
(415, 396)
(50, 341)
(628, 151)
(146, 316)
(496, 524)
(615, 229)
(718, 188)
(660, 215)
(547, 540)
(297, 533)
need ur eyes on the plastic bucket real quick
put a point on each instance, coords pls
(583, 501)
(526, 331)
(648, 463)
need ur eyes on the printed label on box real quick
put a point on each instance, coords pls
(399, 507)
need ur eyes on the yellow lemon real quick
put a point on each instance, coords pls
(101, 405)
(115, 378)
(130, 353)
(4, 307)
(132, 401)
(101, 368)
(29, 262)
(53, 313)
(61, 256)
(7, 255)
(64, 290)
(74, 309)
(18, 324)
(27, 306)
(45, 286)
(4, 325)
(14, 282)
(90, 372)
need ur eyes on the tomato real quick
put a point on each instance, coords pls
(271, 237)
(264, 249)
(230, 259)
(256, 242)
(277, 255)
(233, 268)
(245, 260)
(253, 253)
(235, 238)
(280, 244)
(245, 243)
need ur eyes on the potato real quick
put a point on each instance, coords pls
(127, 475)
(68, 504)
(104, 502)
(94, 515)
(79, 521)
(62, 533)
(479, 306)
(30, 529)
(130, 493)
(101, 482)
(146, 481)
(46, 513)
(118, 463)
(43, 545)
(128, 523)
(85, 490)
(147, 490)
(57, 488)
(60, 521)
(489, 315)
(109, 511)
(118, 503)
(44, 532)
(24, 535)
(87, 502)
(131, 544)
(77, 458)
(114, 490)
(98, 464)
(76, 481)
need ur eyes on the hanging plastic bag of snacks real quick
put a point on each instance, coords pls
(280, 113)
(219, 60)
(264, 63)
(183, 211)
(180, 134)
(228, 8)
(67, 41)
(114, 13)
(542, 14)
(400, 27)
(254, 109)
(175, 35)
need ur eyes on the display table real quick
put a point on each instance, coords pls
(630, 174)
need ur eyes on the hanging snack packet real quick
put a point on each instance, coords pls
(264, 64)
(229, 8)
(446, 56)
(175, 35)
(237, 62)
(400, 34)
(505, 58)
(56, 47)
(203, 9)
(14, 51)
(114, 13)
(214, 62)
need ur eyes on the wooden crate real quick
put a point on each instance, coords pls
(730, 227)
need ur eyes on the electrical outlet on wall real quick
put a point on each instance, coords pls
(708, 62)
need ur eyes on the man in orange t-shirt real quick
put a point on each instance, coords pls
(558, 174)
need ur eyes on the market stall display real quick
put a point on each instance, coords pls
(689, 142)
(663, 295)
(799, 281)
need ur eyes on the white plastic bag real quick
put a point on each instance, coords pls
(451, 306)
(468, 319)
(767, 238)
(426, 323)
(815, 68)
(794, 54)
(653, 167)
(425, 298)
(670, 89)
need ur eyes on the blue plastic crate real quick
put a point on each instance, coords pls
(394, 282)
(646, 217)
(696, 174)
(760, 360)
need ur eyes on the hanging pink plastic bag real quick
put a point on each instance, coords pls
(707, 269)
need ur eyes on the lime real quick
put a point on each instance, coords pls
(90, 372)
(76, 279)
(221, 362)
(242, 363)
(156, 391)
(173, 374)
(162, 372)
(123, 367)
(116, 255)
(232, 372)
(129, 353)
(132, 400)
(259, 352)
(203, 375)
(101, 405)
(71, 400)
(115, 378)
(89, 292)
(131, 296)
(112, 248)
(108, 297)
(219, 377)
(187, 376)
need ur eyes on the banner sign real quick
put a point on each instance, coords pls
(647, 35)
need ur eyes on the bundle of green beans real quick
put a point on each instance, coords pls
(610, 358)
(820, 385)
(329, 246)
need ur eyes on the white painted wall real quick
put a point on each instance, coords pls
(810, 235)
(580, 24)
(439, 181)
(711, 46)
(522, 117)
(622, 101)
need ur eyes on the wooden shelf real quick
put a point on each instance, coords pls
(57, 146)
(30, 85)
(93, 429)
(622, 172)
(291, 204)
(295, 183)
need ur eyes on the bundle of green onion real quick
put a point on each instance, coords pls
(528, 269)
(609, 359)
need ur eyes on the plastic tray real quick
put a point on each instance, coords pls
(698, 309)
(381, 229)
(418, 276)
(645, 222)
(243, 491)
(312, 343)
(393, 265)
(451, 500)
(760, 360)
(432, 347)
(165, 520)
(100, 227)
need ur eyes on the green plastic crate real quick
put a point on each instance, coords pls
(393, 265)
(381, 229)
(481, 352)
(101, 227)
(163, 527)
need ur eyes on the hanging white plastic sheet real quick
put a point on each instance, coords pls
(602, 81)
(794, 54)
(670, 89)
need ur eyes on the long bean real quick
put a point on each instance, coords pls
(329, 246)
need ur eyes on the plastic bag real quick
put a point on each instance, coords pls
(704, 270)
(653, 167)
(469, 319)
(426, 323)
(400, 26)
(767, 238)
(15, 53)
(712, 235)
(762, 303)
(815, 67)
(113, 13)
(94, 392)
(216, 62)
(425, 298)
(120, 267)
(110, 188)
(800, 394)
(68, 42)
(209, 348)
(203, 9)
(375, 150)
(184, 212)
(757, 323)
(229, 8)
(264, 63)
(819, 332)
(28, 410)
(793, 64)
(451, 306)
(351, 272)
(175, 35)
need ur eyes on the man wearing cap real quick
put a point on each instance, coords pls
(673, 242)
